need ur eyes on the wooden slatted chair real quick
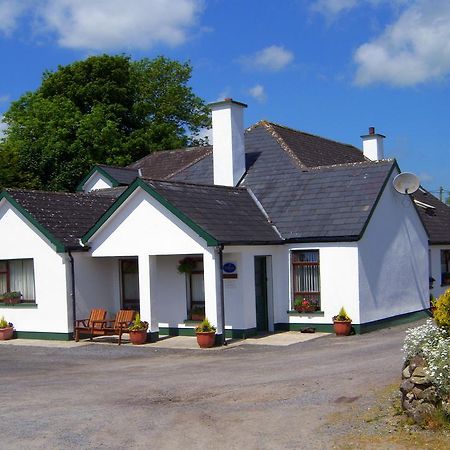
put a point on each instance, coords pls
(86, 326)
(117, 326)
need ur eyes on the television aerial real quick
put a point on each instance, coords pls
(406, 183)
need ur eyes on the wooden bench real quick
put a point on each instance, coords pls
(86, 326)
(114, 327)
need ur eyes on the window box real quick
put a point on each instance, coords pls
(313, 313)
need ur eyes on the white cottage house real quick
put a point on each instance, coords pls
(266, 216)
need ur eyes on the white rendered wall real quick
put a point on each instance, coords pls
(435, 269)
(143, 226)
(338, 282)
(20, 240)
(393, 259)
(97, 181)
(97, 284)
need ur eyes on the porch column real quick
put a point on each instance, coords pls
(213, 291)
(147, 294)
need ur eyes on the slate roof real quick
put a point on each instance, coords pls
(228, 214)
(163, 165)
(296, 177)
(122, 175)
(304, 203)
(437, 220)
(311, 150)
(66, 216)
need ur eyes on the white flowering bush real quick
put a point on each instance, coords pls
(438, 359)
(433, 343)
(423, 337)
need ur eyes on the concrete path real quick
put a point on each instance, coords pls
(174, 342)
(241, 397)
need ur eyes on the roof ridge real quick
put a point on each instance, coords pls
(182, 149)
(61, 193)
(311, 134)
(282, 144)
(354, 163)
(176, 172)
(116, 167)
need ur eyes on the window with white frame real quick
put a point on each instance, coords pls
(17, 275)
(305, 280)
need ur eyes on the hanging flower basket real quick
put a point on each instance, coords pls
(186, 265)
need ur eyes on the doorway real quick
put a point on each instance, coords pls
(263, 294)
(129, 271)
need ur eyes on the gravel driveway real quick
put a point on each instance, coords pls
(245, 397)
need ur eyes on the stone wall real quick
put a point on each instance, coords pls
(419, 396)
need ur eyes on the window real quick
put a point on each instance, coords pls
(17, 275)
(306, 278)
(445, 267)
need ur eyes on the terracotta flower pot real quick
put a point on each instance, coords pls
(6, 333)
(342, 328)
(206, 339)
(138, 337)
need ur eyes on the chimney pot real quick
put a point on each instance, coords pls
(371, 130)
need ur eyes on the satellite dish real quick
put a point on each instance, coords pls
(406, 183)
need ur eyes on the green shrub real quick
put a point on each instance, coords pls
(342, 316)
(205, 327)
(442, 311)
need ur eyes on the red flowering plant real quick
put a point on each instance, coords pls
(301, 304)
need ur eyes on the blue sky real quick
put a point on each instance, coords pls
(329, 67)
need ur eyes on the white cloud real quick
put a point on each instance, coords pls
(258, 93)
(273, 58)
(108, 24)
(10, 11)
(414, 49)
(4, 98)
(333, 7)
(425, 177)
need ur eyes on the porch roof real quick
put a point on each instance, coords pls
(219, 214)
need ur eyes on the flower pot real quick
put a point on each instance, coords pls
(342, 328)
(138, 337)
(6, 333)
(206, 339)
(305, 309)
(11, 300)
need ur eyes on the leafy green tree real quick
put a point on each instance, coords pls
(105, 109)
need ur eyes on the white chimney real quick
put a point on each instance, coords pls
(373, 146)
(228, 141)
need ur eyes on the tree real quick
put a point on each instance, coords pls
(105, 109)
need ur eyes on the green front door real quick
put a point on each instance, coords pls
(262, 313)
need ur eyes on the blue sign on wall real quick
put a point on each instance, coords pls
(229, 267)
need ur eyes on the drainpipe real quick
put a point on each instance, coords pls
(222, 297)
(72, 279)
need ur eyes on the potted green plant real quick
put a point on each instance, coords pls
(6, 330)
(303, 305)
(342, 323)
(186, 265)
(198, 313)
(10, 297)
(206, 334)
(138, 331)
